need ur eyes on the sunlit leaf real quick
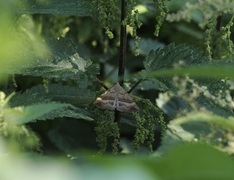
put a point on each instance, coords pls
(146, 45)
(19, 40)
(199, 71)
(195, 161)
(227, 123)
(22, 115)
(199, 127)
(64, 63)
(67, 7)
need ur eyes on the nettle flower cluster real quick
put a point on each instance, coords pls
(209, 15)
(12, 134)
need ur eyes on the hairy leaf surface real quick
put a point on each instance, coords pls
(183, 60)
(22, 115)
(68, 7)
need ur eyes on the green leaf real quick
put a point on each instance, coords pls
(45, 111)
(200, 127)
(151, 84)
(70, 112)
(215, 108)
(173, 137)
(189, 61)
(55, 92)
(163, 64)
(162, 60)
(195, 161)
(76, 69)
(199, 71)
(227, 123)
(22, 115)
(20, 42)
(71, 136)
(60, 71)
(67, 7)
(74, 96)
(146, 45)
(63, 64)
(173, 105)
(171, 55)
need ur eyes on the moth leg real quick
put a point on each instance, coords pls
(102, 84)
(135, 85)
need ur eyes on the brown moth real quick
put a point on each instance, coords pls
(116, 98)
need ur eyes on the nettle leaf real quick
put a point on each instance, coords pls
(174, 136)
(183, 60)
(62, 48)
(72, 135)
(57, 93)
(68, 7)
(45, 111)
(175, 105)
(62, 70)
(195, 161)
(25, 114)
(63, 64)
(198, 71)
(171, 55)
(226, 123)
(146, 45)
(70, 112)
(212, 106)
(163, 64)
(151, 84)
(199, 126)
(54, 92)
(160, 61)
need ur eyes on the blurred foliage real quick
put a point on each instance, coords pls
(207, 163)
(17, 137)
(51, 55)
(20, 39)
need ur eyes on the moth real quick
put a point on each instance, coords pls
(116, 98)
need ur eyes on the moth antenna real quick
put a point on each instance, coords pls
(102, 84)
(135, 85)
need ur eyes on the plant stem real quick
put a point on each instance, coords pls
(217, 46)
(123, 40)
(219, 23)
(122, 54)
